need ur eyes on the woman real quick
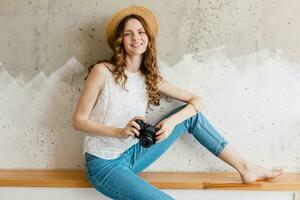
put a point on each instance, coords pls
(117, 92)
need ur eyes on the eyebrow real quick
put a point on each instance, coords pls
(137, 29)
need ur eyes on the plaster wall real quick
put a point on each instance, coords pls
(242, 57)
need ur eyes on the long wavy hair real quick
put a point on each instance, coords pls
(148, 66)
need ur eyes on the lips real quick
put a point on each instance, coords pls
(136, 44)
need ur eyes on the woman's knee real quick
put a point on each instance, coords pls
(192, 121)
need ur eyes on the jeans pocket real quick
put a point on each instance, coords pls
(89, 157)
(89, 166)
(87, 172)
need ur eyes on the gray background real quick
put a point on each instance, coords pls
(242, 57)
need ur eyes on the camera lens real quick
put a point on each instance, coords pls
(146, 141)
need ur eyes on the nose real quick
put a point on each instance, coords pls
(135, 36)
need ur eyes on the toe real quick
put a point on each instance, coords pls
(274, 174)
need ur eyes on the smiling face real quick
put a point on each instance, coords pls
(135, 38)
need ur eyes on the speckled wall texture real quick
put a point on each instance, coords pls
(242, 57)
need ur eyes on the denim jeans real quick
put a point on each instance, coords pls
(117, 178)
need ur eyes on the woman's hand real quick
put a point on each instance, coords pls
(131, 129)
(166, 127)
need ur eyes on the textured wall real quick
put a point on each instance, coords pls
(242, 57)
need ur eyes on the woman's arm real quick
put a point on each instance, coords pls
(92, 88)
(195, 103)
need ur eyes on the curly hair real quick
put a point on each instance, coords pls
(148, 66)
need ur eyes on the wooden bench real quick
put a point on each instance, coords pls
(162, 180)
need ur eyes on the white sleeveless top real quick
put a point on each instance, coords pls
(115, 107)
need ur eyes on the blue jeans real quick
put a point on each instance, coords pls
(117, 178)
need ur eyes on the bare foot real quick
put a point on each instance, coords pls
(254, 173)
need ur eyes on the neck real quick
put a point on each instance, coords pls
(133, 63)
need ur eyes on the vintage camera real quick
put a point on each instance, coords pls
(147, 133)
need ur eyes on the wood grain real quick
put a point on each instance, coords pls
(162, 180)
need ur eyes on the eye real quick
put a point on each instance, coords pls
(141, 32)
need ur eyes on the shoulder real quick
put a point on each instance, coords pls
(100, 69)
(98, 75)
(109, 66)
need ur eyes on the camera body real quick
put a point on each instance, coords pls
(147, 133)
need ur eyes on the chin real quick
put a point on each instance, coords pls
(140, 52)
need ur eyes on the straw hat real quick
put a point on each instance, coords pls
(114, 21)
